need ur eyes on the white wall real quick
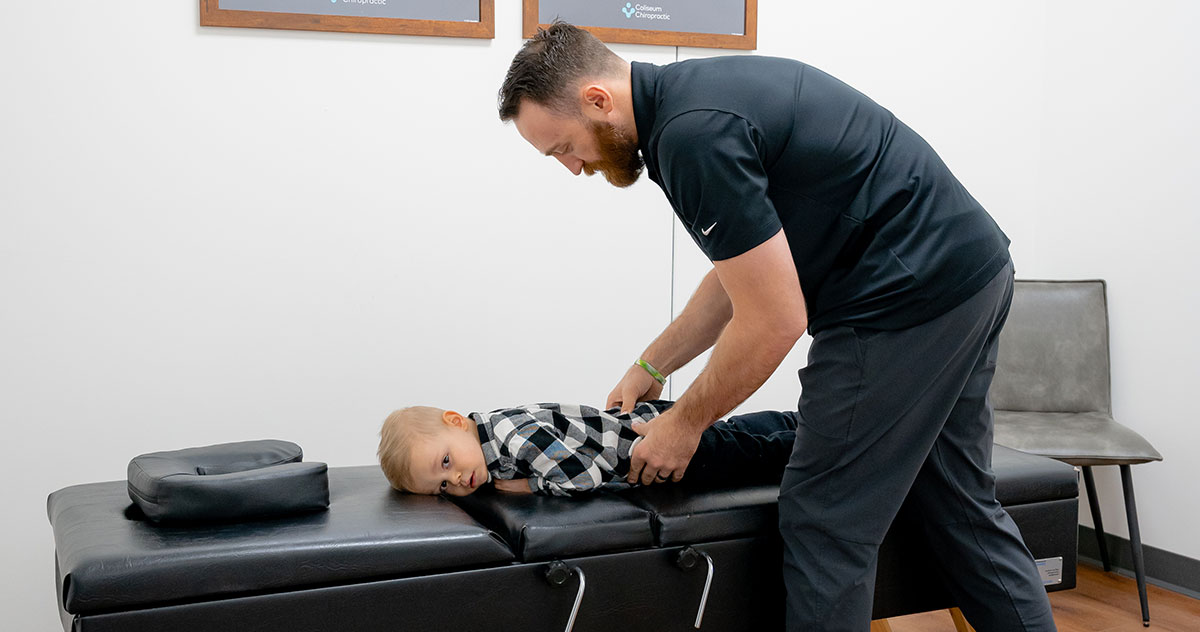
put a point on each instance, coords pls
(212, 234)
(1120, 202)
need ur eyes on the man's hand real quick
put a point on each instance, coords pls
(513, 486)
(637, 386)
(664, 451)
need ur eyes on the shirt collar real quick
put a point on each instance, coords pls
(487, 441)
(644, 87)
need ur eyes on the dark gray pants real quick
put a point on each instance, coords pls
(890, 415)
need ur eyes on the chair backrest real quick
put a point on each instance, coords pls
(1054, 349)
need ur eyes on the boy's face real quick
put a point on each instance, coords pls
(450, 462)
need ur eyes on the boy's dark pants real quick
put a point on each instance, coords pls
(892, 417)
(750, 449)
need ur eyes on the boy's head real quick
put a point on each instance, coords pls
(425, 450)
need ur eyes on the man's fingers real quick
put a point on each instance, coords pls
(614, 399)
(640, 427)
(635, 474)
(678, 475)
(628, 400)
(650, 476)
(636, 463)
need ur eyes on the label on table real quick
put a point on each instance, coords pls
(1050, 569)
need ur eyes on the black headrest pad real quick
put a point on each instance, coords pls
(228, 481)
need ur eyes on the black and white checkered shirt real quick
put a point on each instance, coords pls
(561, 448)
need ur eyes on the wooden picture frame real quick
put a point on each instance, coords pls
(211, 14)
(748, 40)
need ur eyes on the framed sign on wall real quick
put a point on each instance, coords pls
(706, 23)
(448, 18)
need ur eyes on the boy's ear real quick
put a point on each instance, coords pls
(453, 419)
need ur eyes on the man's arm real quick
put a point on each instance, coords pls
(768, 317)
(695, 330)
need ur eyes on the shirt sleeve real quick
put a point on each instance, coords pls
(712, 172)
(554, 467)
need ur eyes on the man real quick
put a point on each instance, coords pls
(820, 211)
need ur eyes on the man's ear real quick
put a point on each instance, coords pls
(597, 100)
(453, 419)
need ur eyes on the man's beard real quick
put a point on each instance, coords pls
(619, 161)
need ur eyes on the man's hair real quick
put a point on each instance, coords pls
(401, 431)
(550, 66)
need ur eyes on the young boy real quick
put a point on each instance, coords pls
(563, 449)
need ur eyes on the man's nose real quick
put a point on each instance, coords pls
(573, 164)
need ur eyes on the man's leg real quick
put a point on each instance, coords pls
(992, 575)
(872, 407)
(838, 497)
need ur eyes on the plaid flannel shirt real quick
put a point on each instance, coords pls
(562, 449)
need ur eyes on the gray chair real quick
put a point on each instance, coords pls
(1052, 394)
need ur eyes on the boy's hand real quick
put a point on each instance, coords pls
(513, 486)
(664, 452)
(636, 386)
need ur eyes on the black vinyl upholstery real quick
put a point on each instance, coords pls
(1024, 478)
(110, 557)
(227, 481)
(542, 528)
(381, 559)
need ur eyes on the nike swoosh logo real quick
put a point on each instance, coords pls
(708, 230)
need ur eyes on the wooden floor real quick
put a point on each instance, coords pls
(1100, 602)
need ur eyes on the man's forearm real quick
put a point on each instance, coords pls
(768, 315)
(744, 357)
(695, 330)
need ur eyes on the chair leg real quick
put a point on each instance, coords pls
(1094, 504)
(1135, 542)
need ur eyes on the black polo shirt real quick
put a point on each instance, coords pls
(882, 234)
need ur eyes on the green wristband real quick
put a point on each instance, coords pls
(651, 370)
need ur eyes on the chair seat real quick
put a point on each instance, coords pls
(1076, 438)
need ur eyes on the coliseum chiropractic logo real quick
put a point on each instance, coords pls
(644, 12)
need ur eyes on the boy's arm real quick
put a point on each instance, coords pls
(513, 486)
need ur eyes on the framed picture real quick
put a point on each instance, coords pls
(448, 18)
(706, 23)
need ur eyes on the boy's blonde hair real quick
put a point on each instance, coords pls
(401, 431)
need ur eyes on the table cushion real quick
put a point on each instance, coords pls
(551, 527)
(110, 557)
(227, 481)
(687, 515)
(1027, 478)
(683, 515)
